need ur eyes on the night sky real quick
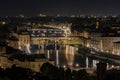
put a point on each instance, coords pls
(62, 7)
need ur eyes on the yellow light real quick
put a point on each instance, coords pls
(3, 23)
(77, 65)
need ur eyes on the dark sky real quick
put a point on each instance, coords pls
(62, 7)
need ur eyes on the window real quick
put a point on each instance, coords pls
(33, 66)
(39, 65)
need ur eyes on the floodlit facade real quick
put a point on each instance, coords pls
(116, 48)
(33, 65)
(106, 43)
(24, 39)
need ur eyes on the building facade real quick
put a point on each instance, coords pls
(24, 39)
(106, 43)
(33, 65)
(116, 48)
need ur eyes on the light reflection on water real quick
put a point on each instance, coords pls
(67, 56)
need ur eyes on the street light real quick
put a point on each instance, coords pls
(3, 22)
(77, 65)
(64, 66)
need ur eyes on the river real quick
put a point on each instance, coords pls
(67, 56)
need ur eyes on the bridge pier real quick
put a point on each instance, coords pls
(87, 62)
(57, 58)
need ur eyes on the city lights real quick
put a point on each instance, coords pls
(59, 40)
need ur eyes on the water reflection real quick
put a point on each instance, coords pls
(57, 58)
(87, 62)
(67, 56)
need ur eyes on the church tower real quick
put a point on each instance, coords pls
(97, 24)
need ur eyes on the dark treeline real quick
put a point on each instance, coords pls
(47, 72)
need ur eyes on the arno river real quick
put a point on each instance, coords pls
(67, 56)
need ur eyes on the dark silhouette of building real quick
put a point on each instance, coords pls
(104, 74)
(101, 71)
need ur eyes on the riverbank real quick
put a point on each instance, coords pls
(108, 58)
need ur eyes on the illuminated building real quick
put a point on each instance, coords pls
(34, 65)
(103, 43)
(86, 34)
(115, 27)
(107, 43)
(42, 35)
(24, 39)
(97, 25)
(42, 15)
(116, 48)
(46, 32)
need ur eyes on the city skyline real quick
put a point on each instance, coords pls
(61, 7)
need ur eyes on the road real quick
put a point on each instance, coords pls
(108, 56)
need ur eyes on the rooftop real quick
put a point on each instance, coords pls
(24, 57)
